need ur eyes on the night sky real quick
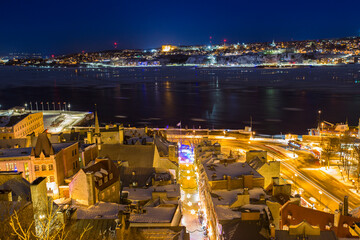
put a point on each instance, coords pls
(64, 26)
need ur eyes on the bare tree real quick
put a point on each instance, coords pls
(357, 157)
(49, 227)
(326, 153)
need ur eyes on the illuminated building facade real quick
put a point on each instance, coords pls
(55, 162)
(19, 126)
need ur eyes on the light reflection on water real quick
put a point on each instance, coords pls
(279, 100)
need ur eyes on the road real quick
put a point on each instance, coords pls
(317, 184)
(318, 188)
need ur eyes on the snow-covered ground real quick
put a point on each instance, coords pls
(56, 122)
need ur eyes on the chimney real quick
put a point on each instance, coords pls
(91, 188)
(276, 181)
(40, 202)
(272, 231)
(228, 183)
(341, 208)
(89, 138)
(6, 195)
(346, 205)
(121, 134)
(337, 214)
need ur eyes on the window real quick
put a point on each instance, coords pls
(111, 176)
(100, 182)
(51, 167)
(102, 195)
(43, 167)
(113, 189)
(52, 179)
(36, 168)
(74, 165)
(105, 179)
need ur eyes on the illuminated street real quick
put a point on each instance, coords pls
(189, 193)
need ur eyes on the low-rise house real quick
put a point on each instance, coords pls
(55, 162)
(97, 182)
(268, 169)
(340, 223)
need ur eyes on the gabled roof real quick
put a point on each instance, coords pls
(101, 169)
(43, 145)
(316, 218)
(142, 175)
(256, 163)
(20, 189)
(135, 155)
(237, 229)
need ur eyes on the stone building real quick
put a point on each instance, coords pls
(97, 182)
(19, 126)
(268, 169)
(55, 162)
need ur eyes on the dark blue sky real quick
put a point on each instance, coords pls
(65, 26)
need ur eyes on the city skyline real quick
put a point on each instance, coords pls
(74, 27)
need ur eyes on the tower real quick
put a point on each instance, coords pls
(97, 134)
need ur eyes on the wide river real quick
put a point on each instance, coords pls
(277, 100)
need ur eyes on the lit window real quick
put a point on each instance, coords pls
(43, 167)
(36, 168)
(51, 167)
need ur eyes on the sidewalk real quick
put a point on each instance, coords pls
(342, 176)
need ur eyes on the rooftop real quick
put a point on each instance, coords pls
(233, 170)
(158, 214)
(15, 152)
(135, 155)
(10, 120)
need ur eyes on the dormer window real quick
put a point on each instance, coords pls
(100, 182)
(111, 176)
(105, 179)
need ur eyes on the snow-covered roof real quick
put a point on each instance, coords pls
(101, 210)
(98, 174)
(103, 171)
(224, 197)
(234, 170)
(225, 213)
(159, 214)
(172, 191)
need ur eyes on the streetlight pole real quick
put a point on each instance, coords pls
(319, 119)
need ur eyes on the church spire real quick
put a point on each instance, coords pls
(97, 127)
